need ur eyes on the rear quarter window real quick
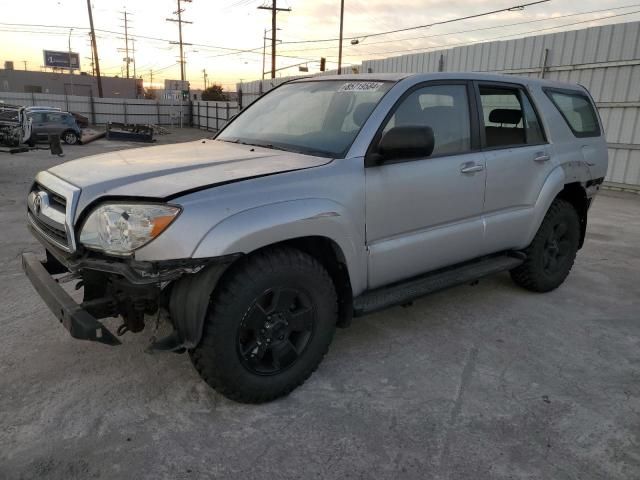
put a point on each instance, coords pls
(577, 110)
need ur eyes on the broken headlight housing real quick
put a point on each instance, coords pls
(121, 228)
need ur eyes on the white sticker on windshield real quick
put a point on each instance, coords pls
(360, 87)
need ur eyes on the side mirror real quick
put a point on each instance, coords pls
(405, 142)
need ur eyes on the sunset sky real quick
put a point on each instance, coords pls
(237, 24)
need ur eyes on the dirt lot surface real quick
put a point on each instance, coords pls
(477, 382)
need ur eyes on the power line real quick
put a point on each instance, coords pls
(442, 22)
(444, 45)
(427, 25)
(398, 40)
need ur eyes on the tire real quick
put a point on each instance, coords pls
(553, 250)
(269, 325)
(70, 137)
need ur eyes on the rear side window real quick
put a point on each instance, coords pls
(577, 111)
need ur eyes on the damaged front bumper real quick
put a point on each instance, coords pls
(127, 288)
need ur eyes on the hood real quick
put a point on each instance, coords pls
(167, 170)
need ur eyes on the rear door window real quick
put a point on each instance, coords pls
(55, 118)
(509, 118)
(577, 111)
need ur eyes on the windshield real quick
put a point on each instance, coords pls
(315, 118)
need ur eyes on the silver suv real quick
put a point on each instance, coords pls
(326, 199)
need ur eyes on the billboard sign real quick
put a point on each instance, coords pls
(55, 59)
(177, 85)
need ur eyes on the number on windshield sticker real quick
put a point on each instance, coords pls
(360, 87)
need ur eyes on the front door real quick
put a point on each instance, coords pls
(38, 125)
(425, 213)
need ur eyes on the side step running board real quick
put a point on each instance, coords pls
(416, 287)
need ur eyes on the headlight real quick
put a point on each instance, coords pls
(120, 228)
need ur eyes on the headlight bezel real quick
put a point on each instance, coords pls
(93, 209)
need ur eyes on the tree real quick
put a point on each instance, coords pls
(215, 93)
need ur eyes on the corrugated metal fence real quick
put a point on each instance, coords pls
(604, 59)
(100, 111)
(212, 115)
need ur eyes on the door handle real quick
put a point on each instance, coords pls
(472, 168)
(542, 157)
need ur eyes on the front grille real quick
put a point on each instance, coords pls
(56, 198)
(50, 221)
(56, 235)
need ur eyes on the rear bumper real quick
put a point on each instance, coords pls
(76, 320)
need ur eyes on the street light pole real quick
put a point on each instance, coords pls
(264, 51)
(264, 47)
(70, 69)
(340, 44)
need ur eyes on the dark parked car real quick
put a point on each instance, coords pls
(45, 122)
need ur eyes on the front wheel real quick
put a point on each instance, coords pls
(269, 324)
(553, 250)
(70, 138)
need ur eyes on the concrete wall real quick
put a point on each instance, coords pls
(21, 81)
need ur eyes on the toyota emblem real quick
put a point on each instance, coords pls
(37, 204)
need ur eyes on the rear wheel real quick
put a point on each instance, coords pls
(553, 250)
(70, 137)
(269, 325)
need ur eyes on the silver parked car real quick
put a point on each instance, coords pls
(325, 199)
(52, 121)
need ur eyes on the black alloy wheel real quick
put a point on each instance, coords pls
(276, 330)
(557, 248)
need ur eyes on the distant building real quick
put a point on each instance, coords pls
(21, 81)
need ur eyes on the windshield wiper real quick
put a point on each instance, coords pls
(271, 146)
(263, 145)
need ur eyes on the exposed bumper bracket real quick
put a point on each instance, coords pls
(79, 322)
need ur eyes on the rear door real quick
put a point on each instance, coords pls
(518, 160)
(426, 212)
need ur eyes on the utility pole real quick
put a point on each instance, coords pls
(151, 80)
(25, 65)
(127, 60)
(95, 49)
(340, 44)
(180, 42)
(274, 10)
(204, 77)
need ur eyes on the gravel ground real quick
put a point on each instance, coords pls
(476, 382)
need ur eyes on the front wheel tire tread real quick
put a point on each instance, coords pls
(223, 311)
